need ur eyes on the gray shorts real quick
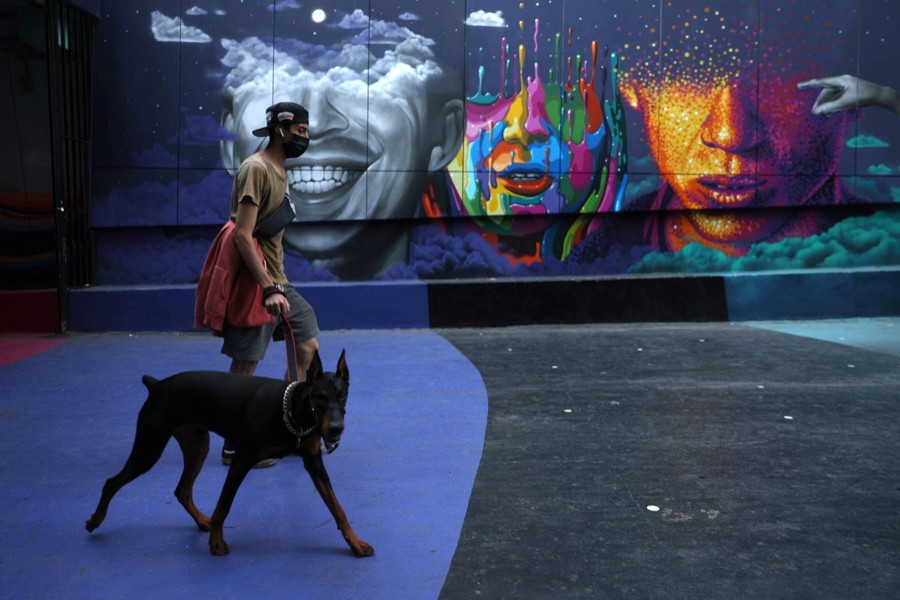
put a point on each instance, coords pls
(250, 343)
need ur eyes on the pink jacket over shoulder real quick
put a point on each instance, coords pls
(227, 292)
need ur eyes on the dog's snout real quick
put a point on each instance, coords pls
(335, 421)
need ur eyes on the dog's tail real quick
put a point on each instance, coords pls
(149, 381)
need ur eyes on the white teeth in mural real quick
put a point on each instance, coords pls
(317, 179)
(530, 176)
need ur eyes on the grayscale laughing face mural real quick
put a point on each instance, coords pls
(372, 141)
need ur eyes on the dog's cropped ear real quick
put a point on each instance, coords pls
(342, 370)
(315, 368)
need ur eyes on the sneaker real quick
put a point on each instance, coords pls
(228, 454)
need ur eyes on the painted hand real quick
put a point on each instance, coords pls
(846, 92)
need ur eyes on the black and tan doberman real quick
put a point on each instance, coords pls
(263, 417)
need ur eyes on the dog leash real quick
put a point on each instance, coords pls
(291, 347)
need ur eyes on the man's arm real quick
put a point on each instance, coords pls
(245, 223)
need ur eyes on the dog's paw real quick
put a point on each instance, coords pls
(92, 523)
(218, 547)
(362, 549)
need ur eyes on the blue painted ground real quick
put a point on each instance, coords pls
(404, 472)
(880, 335)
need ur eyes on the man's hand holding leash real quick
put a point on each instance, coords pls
(275, 301)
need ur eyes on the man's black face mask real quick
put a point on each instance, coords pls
(295, 146)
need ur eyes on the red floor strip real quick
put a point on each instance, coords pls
(14, 348)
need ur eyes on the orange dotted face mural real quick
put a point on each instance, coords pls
(727, 126)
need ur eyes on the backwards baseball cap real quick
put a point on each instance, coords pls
(283, 113)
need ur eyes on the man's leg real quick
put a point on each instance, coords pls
(305, 352)
(243, 367)
(305, 327)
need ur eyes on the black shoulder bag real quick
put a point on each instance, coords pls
(282, 217)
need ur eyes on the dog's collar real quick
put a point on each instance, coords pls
(288, 416)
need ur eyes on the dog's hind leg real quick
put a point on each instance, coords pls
(149, 442)
(194, 442)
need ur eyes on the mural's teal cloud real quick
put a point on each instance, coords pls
(866, 141)
(865, 187)
(880, 170)
(856, 242)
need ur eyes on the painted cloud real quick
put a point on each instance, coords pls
(168, 29)
(480, 18)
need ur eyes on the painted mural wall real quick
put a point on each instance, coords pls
(491, 138)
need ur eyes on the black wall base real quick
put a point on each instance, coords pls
(521, 302)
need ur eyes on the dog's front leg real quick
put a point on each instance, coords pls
(236, 473)
(316, 469)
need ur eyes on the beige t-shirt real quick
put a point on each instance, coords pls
(257, 180)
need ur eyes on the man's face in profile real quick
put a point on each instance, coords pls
(363, 155)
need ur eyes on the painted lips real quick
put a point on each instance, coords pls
(731, 191)
(525, 183)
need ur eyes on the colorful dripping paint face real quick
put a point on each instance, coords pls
(534, 153)
(729, 130)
